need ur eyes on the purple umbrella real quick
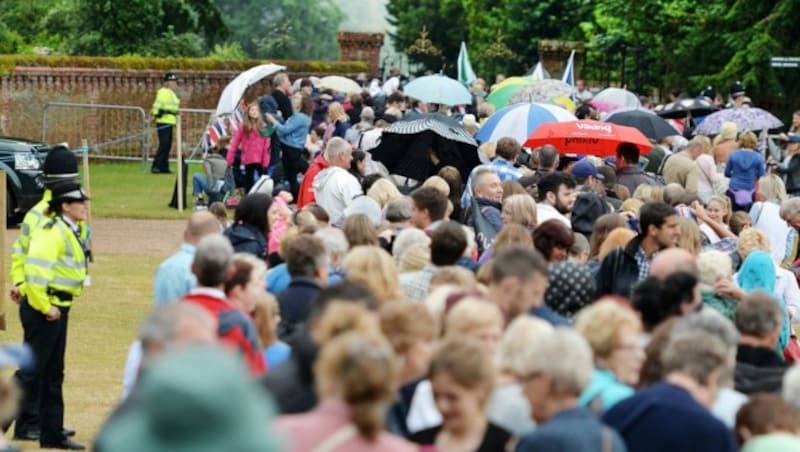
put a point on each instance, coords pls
(746, 118)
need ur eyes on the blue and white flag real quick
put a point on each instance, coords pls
(569, 70)
(465, 73)
(539, 73)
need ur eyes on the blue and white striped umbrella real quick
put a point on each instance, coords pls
(519, 121)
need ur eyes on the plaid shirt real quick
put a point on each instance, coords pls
(505, 171)
(643, 262)
(415, 284)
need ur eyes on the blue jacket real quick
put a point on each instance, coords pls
(744, 167)
(571, 430)
(295, 304)
(293, 132)
(666, 418)
(174, 277)
(247, 239)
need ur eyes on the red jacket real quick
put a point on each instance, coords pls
(306, 194)
(235, 326)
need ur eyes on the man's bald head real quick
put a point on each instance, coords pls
(672, 260)
(200, 224)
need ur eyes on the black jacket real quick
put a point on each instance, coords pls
(758, 369)
(247, 239)
(284, 103)
(291, 383)
(295, 304)
(619, 271)
(792, 173)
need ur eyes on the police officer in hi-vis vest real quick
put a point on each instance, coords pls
(59, 166)
(165, 114)
(55, 272)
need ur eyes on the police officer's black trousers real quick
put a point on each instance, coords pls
(161, 160)
(42, 388)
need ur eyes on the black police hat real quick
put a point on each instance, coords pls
(60, 164)
(69, 191)
(737, 89)
(170, 77)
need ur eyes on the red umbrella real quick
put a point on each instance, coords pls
(587, 137)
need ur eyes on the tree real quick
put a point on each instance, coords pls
(284, 29)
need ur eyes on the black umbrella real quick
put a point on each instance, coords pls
(645, 121)
(410, 147)
(681, 108)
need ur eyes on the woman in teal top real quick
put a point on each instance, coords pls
(758, 274)
(292, 136)
(613, 331)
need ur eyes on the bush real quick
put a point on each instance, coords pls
(9, 62)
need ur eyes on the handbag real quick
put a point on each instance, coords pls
(791, 353)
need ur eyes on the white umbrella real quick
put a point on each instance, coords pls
(617, 97)
(232, 94)
(438, 89)
(296, 84)
(339, 84)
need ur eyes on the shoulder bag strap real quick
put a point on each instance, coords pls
(336, 439)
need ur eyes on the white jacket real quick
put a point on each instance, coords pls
(334, 188)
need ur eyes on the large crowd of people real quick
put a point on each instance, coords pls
(542, 302)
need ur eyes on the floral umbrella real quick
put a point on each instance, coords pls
(746, 118)
(541, 91)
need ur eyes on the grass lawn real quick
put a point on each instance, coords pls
(102, 325)
(123, 190)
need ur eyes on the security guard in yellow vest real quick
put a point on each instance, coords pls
(165, 114)
(59, 166)
(55, 271)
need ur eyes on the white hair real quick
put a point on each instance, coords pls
(334, 240)
(406, 238)
(522, 332)
(714, 265)
(564, 356)
(336, 146)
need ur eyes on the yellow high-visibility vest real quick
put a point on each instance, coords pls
(166, 106)
(56, 261)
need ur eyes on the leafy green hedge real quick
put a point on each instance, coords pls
(9, 62)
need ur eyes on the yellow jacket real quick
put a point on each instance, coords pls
(166, 106)
(33, 219)
(56, 261)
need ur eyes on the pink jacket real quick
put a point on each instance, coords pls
(278, 228)
(304, 432)
(255, 148)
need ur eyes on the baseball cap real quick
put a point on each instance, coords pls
(584, 168)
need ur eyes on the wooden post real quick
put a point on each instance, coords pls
(179, 152)
(3, 250)
(87, 182)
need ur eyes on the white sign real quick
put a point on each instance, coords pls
(787, 62)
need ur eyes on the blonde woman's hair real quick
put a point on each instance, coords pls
(467, 362)
(264, 315)
(521, 209)
(690, 238)
(403, 324)
(512, 234)
(748, 140)
(619, 237)
(470, 314)
(752, 239)
(359, 231)
(727, 132)
(373, 268)
(489, 149)
(363, 368)
(704, 143)
(712, 266)
(250, 123)
(382, 191)
(522, 332)
(771, 187)
(438, 183)
(453, 275)
(631, 205)
(415, 258)
(336, 112)
(649, 193)
(342, 317)
(436, 303)
(602, 227)
(601, 322)
(726, 202)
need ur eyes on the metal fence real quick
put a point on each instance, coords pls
(119, 132)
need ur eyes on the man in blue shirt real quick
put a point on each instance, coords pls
(174, 277)
(507, 152)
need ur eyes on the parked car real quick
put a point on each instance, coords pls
(22, 161)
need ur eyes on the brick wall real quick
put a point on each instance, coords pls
(356, 46)
(25, 91)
